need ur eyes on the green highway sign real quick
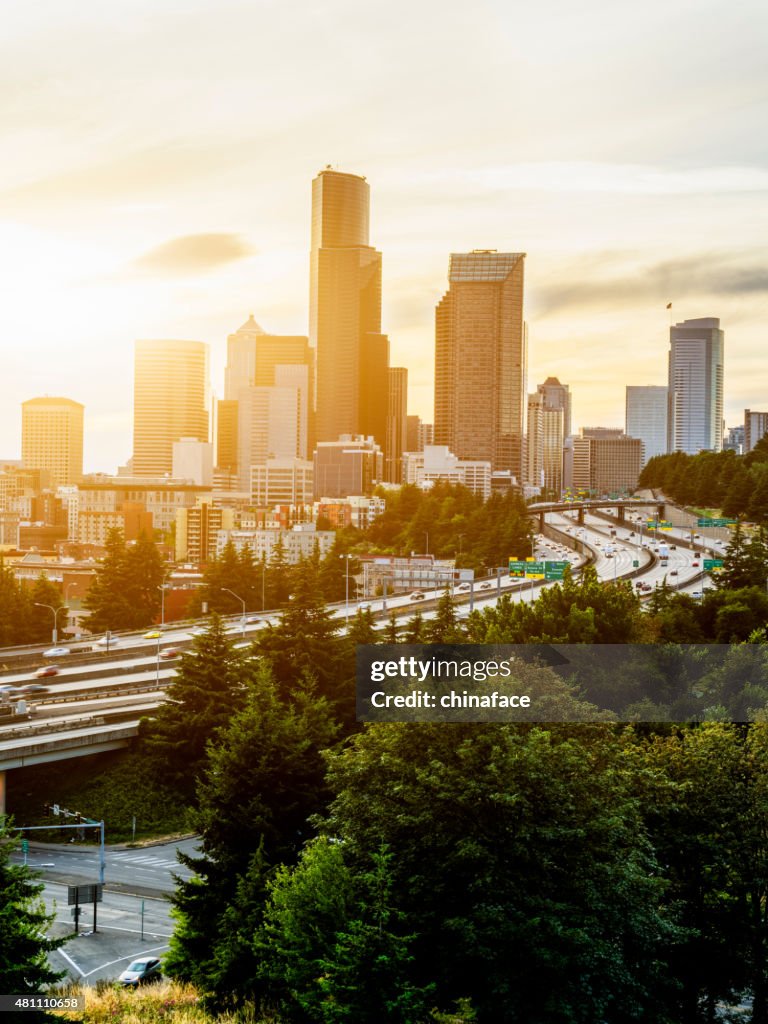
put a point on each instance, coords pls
(635, 563)
(658, 524)
(708, 521)
(712, 564)
(554, 570)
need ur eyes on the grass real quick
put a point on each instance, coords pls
(110, 787)
(164, 1003)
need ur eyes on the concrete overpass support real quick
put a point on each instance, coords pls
(581, 516)
(661, 509)
(2, 793)
(621, 513)
(542, 518)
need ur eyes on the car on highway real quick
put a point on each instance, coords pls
(56, 652)
(153, 634)
(695, 565)
(464, 586)
(107, 641)
(486, 586)
(31, 689)
(141, 972)
(674, 573)
(417, 596)
(170, 652)
(46, 671)
(253, 618)
(8, 691)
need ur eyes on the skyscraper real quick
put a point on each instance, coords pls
(557, 396)
(397, 424)
(170, 401)
(240, 370)
(480, 360)
(52, 438)
(695, 421)
(345, 311)
(646, 418)
(545, 444)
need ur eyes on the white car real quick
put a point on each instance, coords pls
(107, 641)
(56, 652)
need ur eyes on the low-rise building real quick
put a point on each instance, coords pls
(299, 542)
(436, 462)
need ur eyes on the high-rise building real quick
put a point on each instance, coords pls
(646, 417)
(240, 371)
(557, 396)
(695, 421)
(226, 435)
(52, 438)
(545, 444)
(755, 428)
(602, 460)
(345, 311)
(397, 424)
(480, 360)
(170, 401)
(734, 439)
(272, 421)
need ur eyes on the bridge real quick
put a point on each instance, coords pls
(541, 508)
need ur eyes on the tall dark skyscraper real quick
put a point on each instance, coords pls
(480, 360)
(695, 421)
(352, 355)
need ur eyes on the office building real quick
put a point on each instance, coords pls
(545, 444)
(52, 438)
(351, 465)
(240, 371)
(602, 460)
(437, 463)
(646, 418)
(272, 421)
(193, 461)
(397, 424)
(755, 428)
(557, 396)
(162, 498)
(226, 435)
(695, 419)
(345, 312)
(281, 482)
(734, 440)
(298, 543)
(170, 402)
(480, 360)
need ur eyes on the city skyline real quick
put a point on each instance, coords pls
(170, 204)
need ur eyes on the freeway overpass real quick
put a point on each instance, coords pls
(621, 505)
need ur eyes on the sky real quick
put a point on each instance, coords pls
(158, 158)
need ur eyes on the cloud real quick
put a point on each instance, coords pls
(193, 254)
(595, 283)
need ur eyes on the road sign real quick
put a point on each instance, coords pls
(635, 563)
(84, 893)
(713, 564)
(25, 846)
(708, 521)
(554, 570)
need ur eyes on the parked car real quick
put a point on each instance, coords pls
(56, 652)
(46, 671)
(141, 972)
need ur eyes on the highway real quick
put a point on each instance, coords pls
(98, 687)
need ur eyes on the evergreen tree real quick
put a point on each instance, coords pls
(24, 947)
(126, 591)
(445, 627)
(305, 642)
(264, 780)
(207, 690)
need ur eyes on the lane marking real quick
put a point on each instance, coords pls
(72, 962)
(134, 956)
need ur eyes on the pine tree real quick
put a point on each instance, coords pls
(24, 947)
(207, 690)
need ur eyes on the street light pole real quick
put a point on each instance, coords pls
(242, 602)
(346, 590)
(55, 611)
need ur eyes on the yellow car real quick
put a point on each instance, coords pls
(153, 634)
